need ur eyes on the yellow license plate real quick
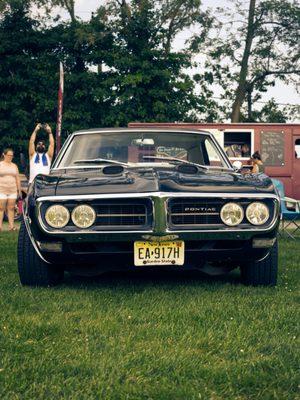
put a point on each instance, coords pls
(159, 253)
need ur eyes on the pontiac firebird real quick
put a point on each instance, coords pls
(129, 199)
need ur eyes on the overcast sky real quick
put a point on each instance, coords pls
(281, 92)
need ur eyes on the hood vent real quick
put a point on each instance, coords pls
(113, 170)
(187, 169)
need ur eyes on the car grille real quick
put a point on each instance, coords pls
(183, 212)
(204, 213)
(130, 214)
(112, 214)
(122, 215)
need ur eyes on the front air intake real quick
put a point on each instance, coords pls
(123, 215)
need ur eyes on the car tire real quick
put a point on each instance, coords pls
(264, 272)
(33, 271)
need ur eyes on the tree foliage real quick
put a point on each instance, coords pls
(119, 66)
(26, 92)
(255, 45)
(149, 84)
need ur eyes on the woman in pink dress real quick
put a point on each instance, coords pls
(10, 187)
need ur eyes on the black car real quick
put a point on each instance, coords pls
(129, 199)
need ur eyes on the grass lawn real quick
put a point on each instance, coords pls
(143, 336)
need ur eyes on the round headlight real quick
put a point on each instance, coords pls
(57, 216)
(232, 214)
(257, 213)
(83, 216)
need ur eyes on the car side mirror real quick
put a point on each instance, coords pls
(238, 165)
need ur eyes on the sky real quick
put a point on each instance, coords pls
(280, 92)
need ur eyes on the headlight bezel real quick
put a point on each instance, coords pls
(267, 214)
(241, 218)
(75, 222)
(65, 209)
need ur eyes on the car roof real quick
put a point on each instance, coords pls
(99, 130)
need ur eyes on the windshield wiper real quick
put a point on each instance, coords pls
(99, 161)
(175, 159)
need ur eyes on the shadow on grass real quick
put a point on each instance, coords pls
(152, 278)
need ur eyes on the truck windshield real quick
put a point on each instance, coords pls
(133, 148)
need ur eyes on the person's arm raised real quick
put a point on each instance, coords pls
(31, 149)
(50, 151)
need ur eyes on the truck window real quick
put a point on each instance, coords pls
(237, 144)
(297, 148)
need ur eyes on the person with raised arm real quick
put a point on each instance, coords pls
(39, 158)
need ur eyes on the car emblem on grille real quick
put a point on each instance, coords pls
(160, 238)
(200, 209)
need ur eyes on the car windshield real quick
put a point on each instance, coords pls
(134, 148)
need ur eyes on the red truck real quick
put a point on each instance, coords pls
(278, 144)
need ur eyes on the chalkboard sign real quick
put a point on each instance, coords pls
(272, 148)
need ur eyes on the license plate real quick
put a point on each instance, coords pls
(159, 253)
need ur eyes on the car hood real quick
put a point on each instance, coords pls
(150, 180)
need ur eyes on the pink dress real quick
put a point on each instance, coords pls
(8, 175)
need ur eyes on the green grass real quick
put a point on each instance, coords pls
(143, 336)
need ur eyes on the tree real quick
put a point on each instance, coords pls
(120, 66)
(241, 89)
(29, 74)
(254, 47)
(174, 16)
(148, 79)
(26, 90)
(270, 112)
(69, 5)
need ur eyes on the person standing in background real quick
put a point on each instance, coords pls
(245, 150)
(10, 187)
(39, 159)
(257, 163)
